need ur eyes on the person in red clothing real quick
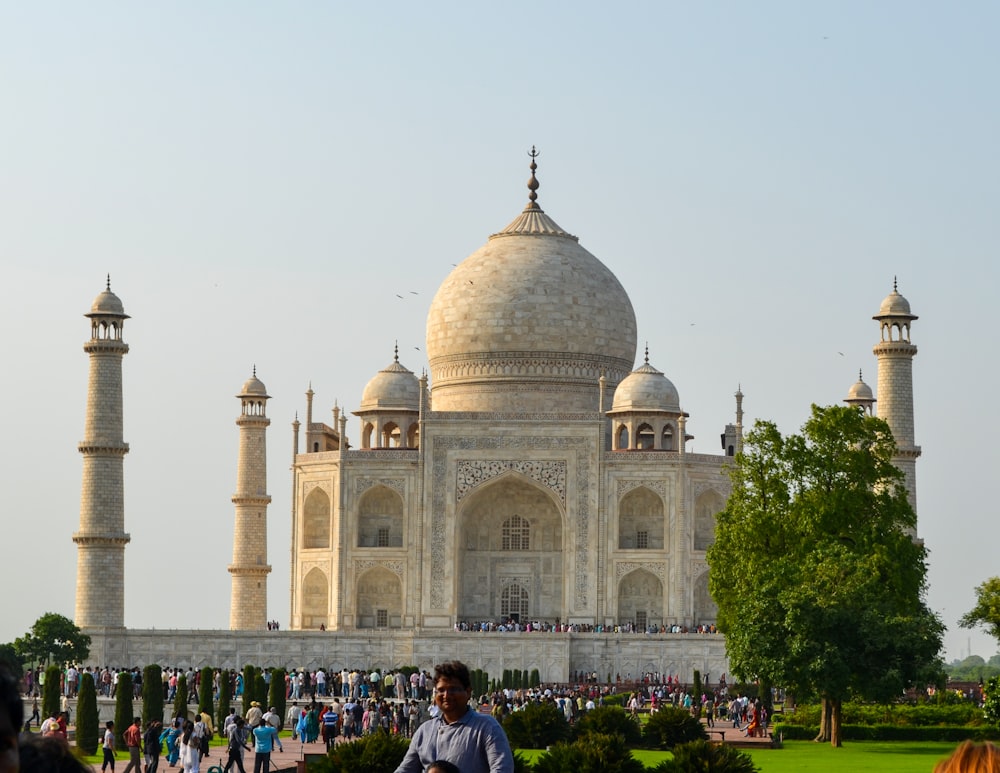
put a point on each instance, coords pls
(133, 740)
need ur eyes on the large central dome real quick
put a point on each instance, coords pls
(528, 324)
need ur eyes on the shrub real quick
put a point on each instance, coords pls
(51, 691)
(206, 692)
(181, 697)
(536, 726)
(276, 693)
(609, 720)
(87, 722)
(896, 714)
(152, 694)
(123, 707)
(225, 699)
(593, 753)
(377, 753)
(536, 678)
(702, 755)
(671, 726)
(951, 734)
(618, 699)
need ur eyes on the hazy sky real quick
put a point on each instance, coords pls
(262, 179)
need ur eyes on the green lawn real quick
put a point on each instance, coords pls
(809, 757)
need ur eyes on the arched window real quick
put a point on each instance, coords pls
(516, 533)
(514, 602)
(622, 438)
(645, 437)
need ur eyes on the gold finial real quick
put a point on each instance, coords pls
(108, 285)
(395, 355)
(255, 370)
(647, 352)
(533, 182)
(894, 289)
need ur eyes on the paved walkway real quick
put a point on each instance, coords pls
(280, 761)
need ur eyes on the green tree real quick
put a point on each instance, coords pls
(225, 697)
(181, 697)
(53, 637)
(123, 707)
(10, 658)
(986, 613)
(991, 702)
(152, 694)
(87, 720)
(249, 676)
(276, 693)
(819, 583)
(206, 692)
(51, 692)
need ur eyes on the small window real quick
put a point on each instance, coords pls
(382, 540)
(381, 618)
(642, 540)
(516, 534)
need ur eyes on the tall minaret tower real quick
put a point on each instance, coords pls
(895, 383)
(101, 541)
(249, 568)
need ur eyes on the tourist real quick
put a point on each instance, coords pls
(443, 766)
(109, 746)
(189, 746)
(474, 742)
(133, 740)
(152, 745)
(39, 754)
(265, 737)
(237, 734)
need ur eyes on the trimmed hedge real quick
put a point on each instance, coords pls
(950, 734)
(922, 715)
(87, 724)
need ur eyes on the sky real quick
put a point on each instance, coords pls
(262, 180)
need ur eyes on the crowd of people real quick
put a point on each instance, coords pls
(536, 626)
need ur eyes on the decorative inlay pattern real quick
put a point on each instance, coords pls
(396, 484)
(396, 567)
(658, 568)
(658, 486)
(551, 474)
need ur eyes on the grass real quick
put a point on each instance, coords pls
(809, 757)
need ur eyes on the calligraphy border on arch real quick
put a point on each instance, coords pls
(396, 567)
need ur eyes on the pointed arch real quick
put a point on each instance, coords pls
(640, 599)
(510, 530)
(645, 437)
(379, 602)
(514, 603)
(315, 599)
(705, 609)
(380, 518)
(316, 520)
(641, 521)
(706, 507)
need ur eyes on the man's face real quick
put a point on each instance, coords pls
(451, 696)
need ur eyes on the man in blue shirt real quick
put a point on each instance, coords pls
(264, 738)
(474, 742)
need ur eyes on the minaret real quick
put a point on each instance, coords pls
(249, 568)
(101, 541)
(895, 383)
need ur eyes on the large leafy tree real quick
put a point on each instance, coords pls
(56, 636)
(818, 578)
(986, 613)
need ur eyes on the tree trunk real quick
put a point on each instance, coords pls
(824, 721)
(835, 723)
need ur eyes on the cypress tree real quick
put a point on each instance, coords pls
(87, 729)
(181, 697)
(225, 698)
(51, 691)
(123, 707)
(260, 689)
(205, 692)
(152, 694)
(536, 678)
(277, 693)
(248, 687)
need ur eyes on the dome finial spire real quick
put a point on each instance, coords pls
(647, 352)
(107, 286)
(894, 288)
(255, 370)
(395, 352)
(533, 182)
(859, 375)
